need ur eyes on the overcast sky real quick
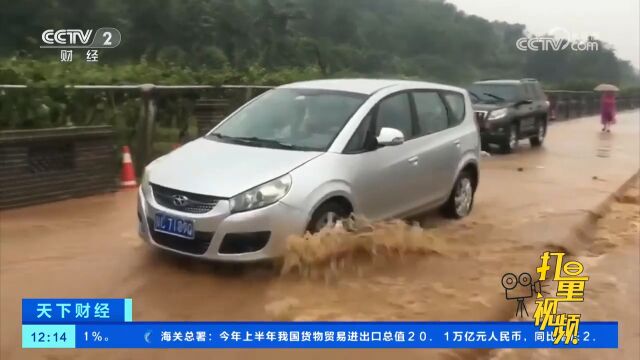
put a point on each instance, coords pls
(616, 22)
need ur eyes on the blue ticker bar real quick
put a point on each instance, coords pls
(108, 323)
(240, 335)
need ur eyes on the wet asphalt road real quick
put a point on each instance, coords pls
(527, 201)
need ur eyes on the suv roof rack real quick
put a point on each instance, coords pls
(529, 79)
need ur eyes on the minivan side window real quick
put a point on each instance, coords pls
(457, 106)
(395, 112)
(360, 138)
(431, 112)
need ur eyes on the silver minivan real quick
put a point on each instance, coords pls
(303, 155)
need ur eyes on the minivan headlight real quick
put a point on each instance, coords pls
(497, 114)
(261, 196)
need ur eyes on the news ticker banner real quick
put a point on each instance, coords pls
(263, 335)
(77, 329)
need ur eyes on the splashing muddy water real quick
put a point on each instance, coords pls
(412, 271)
(356, 241)
(450, 275)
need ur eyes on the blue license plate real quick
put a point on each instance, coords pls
(174, 226)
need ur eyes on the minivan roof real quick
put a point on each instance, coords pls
(365, 86)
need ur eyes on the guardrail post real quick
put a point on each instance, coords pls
(593, 104)
(553, 107)
(565, 107)
(248, 94)
(148, 123)
(581, 105)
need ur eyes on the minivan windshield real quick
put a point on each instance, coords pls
(494, 92)
(296, 119)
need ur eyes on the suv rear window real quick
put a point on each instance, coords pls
(529, 91)
(539, 91)
(534, 90)
(496, 92)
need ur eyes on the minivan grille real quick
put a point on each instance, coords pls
(183, 201)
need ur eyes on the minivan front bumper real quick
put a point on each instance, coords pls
(248, 236)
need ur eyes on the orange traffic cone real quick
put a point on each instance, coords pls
(128, 175)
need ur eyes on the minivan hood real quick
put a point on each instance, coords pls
(221, 169)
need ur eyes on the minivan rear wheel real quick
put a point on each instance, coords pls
(460, 201)
(327, 215)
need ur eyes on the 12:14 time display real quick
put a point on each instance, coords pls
(42, 337)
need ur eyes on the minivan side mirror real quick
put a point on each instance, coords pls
(390, 136)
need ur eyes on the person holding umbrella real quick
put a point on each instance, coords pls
(607, 105)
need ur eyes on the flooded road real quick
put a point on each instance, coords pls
(527, 201)
(612, 262)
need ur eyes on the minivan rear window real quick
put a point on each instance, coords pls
(456, 104)
(431, 112)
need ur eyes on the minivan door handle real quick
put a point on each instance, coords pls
(456, 142)
(413, 160)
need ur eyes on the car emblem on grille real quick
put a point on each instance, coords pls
(180, 200)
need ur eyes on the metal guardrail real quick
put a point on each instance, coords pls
(215, 102)
(573, 104)
(54, 163)
(211, 107)
(45, 165)
(147, 87)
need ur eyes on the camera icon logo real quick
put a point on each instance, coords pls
(519, 288)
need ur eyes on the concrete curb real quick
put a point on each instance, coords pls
(583, 232)
(582, 236)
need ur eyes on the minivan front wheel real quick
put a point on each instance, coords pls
(460, 201)
(327, 215)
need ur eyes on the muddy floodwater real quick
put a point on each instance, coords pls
(426, 268)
